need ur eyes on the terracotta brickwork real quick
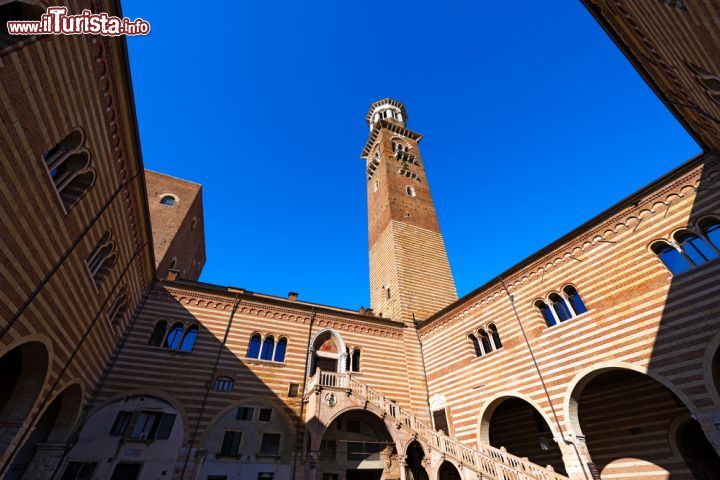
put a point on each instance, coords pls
(178, 229)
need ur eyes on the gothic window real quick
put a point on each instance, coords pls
(168, 200)
(410, 191)
(560, 307)
(485, 341)
(69, 168)
(710, 227)
(102, 258)
(280, 349)
(119, 308)
(495, 336)
(173, 338)
(223, 384)
(267, 348)
(254, 346)
(675, 261)
(546, 312)
(158, 334)
(355, 360)
(575, 300)
(697, 249)
(189, 338)
(476, 345)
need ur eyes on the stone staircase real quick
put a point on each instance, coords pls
(485, 462)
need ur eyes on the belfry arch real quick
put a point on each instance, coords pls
(327, 352)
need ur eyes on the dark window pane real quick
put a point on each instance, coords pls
(245, 413)
(485, 340)
(356, 361)
(440, 421)
(168, 200)
(495, 336)
(231, 443)
(476, 345)
(293, 390)
(574, 297)
(165, 428)
(121, 423)
(174, 337)
(126, 471)
(158, 334)
(712, 232)
(698, 250)
(188, 340)
(79, 471)
(546, 313)
(265, 415)
(561, 309)
(280, 350)
(270, 444)
(673, 260)
(267, 348)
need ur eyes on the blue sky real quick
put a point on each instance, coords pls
(533, 122)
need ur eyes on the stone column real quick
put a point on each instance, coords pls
(576, 457)
(710, 423)
(402, 465)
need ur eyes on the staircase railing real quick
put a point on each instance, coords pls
(493, 462)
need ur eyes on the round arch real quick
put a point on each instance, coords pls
(448, 469)
(711, 369)
(417, 458)
(317, 435)
(585, 376)
(489, 407)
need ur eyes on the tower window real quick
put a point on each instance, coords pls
(408, 174)
(410, 191)
(168, 200)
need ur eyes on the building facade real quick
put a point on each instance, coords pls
(596, 357)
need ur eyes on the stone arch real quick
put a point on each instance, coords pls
(25, 367)
(447, 469)
(582, 378)
(317, 340)
(393, 431)
(417, 458)
(489, 407)
(711, 369)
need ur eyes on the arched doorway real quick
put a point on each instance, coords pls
(698, 453)
(517, 425)
(414, 458)
(22, 374)
(448, 472)
(53, 428)
(328, 352)
(356, 446)
(628, 419)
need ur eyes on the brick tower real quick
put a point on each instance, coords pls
(410, 276)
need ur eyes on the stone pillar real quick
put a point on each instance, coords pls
(710, 423)
(402, 465)
(313, 465)
(576, 457)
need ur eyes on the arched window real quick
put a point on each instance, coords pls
(280, 349)
(695, 247)
(476, 345)
(560, 307)
(174, 337)
(410, 191)
(119, 308)
(576, 302)
(189, 338)
(675, 261)
(267, 348)
(102, 258)
(546, 312)
(158, 334)
(356, 360)
(347, 359)
(485, 341)
(495, 335)
(168, 200)
(69, 168)
(223, 384)
(710, 227)
(254, 346)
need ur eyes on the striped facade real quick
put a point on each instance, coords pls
(115, 362)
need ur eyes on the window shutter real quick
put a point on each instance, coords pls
(165, 428)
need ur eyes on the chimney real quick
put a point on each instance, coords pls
(293, 296)
(172, 275)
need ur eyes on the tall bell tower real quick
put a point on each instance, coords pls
(410, 275)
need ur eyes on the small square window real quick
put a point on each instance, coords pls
(293, 390)
(245, 413)
(270, 444)
(265, 415)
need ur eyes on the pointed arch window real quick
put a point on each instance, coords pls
(280, 349)
(119, 307)
(710, 227)
(68, 165)
(495, 336)
(102, 258)
(355, 364)
(560, 307)
(546, 312)
(268, 346)
(696, 248)
(174, 337)
(254, 346)
(158, 334)
(476, 345)
(188, 340)
(675, 261)
(485, 341)
(575, 300)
